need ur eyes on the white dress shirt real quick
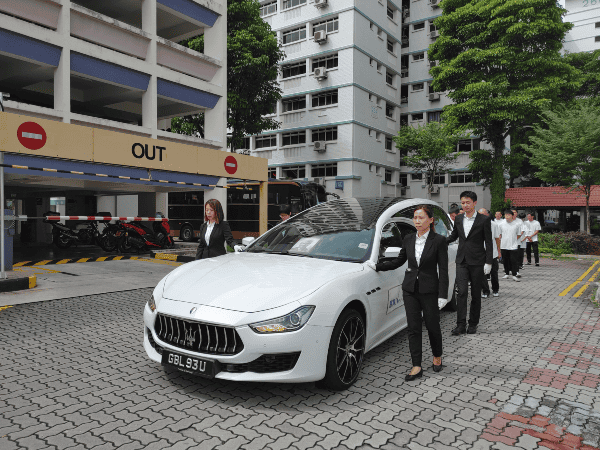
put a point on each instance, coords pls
(495, 234)
(420, 246)
(533, 226)
(468, 223)
(209, 228)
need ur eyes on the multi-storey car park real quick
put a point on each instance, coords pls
(354, 72)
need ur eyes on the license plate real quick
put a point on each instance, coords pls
(189, 364)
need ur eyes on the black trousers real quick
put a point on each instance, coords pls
(536, 254)
(464, 274)
(510, 259)
(493, 278)
(521, 255)
(414, 303)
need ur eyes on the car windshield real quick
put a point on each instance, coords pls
(341, 230)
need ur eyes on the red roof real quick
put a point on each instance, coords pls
(548, 197)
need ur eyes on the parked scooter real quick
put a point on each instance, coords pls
(64, 237)
(136, 236)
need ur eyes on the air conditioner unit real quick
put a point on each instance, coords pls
(403, 99)
(434, 96)
(405, 13)
(320, 36)
(319, 180)
(320, 3)
(433, 190)
(434, 3)
(434, 34)
(404, 40)
(320, 146)
(433, 63)
(404, 73)
(320, 73)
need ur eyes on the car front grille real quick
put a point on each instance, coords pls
(197, 336)
(265, 364)
(154, 345)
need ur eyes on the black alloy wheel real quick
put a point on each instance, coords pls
(186, 234)
(109, 242)
(124, 245)
(346, 351)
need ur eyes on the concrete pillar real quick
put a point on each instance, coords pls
(263, 207)
(162, 203)
(149, 98)
(62, 74)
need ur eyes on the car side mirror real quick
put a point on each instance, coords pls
(247, 241)
(392, 252)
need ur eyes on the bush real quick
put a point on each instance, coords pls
(572, 242)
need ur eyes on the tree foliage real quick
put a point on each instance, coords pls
(428, 149)
(253, 54)
(588, 66)
(566, 147)
(499, 61)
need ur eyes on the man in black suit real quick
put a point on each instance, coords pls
(473, 260)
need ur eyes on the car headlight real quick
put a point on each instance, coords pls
(151, 303)
(290, 322)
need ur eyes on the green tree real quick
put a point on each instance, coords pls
(253, 54)
(588, 66)
(428, 149)
(499, 61)
(566, 148)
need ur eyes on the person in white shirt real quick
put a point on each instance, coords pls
(510, 232)
(519, 219)
(494, 273)
(454, 211)
(531, 239)
(498, 217)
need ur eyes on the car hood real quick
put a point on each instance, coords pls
(252, 282)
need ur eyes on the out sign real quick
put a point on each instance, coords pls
(231, 165)
(31, 135)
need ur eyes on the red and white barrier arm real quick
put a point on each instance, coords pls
(95, 218)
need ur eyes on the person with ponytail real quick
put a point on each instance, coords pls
(424, 288)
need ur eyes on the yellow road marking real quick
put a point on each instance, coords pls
(102, 258)
(83, 260)
(32, 281)
(2, 308)
(63, 261)
(118, 258)
(572, 285)
(168, 256)
(41, 263)
(586, 284)
(19, 264)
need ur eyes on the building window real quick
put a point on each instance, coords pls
(329, 26)
(403, 179)
(325, 98)
(325, 134)
(268, 8)
(418, 116)
(389, 143)
(266, 141)
(245, 144)
(597, 24)
(434, 116)
(467, 145)
(294, 138)
(294, 172)
(416, 176)
(292, 70)
(388, 175)
(324, 170)
(390, 12)
(419, 26)
(432, 27)
(461, 177)
(438, 178)
(389, 77)
(418, 87)
(272, 172)
(294, 104)
(294, 35)
(597, 39)
(390, 46)
(389, 111)
(329, 62)
(287, 4)
(418, 56)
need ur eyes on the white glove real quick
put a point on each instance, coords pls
(442, 302)
(487, 269)
(238, 248)
(371, 265)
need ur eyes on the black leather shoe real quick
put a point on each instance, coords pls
(459, 330)
(472, 329)
(410, 377)
(437, 368)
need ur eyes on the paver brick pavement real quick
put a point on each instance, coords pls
(74, 375)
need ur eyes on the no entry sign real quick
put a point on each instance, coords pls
(231, 165)
(31, 135)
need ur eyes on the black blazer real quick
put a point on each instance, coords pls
(475, 249)
(432, 272)
(220, 234)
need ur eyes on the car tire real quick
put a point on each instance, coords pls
(451, 305)
(343, 366)
(186, 234)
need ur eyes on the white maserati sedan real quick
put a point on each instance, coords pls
(297, 305)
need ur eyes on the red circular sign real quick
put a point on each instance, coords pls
(231, 165)
(31, 135)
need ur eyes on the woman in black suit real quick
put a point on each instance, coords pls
(425, 286)
(214, 232)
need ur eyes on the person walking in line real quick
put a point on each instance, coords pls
(454, 211)
(498, 217)
(519, 222)
(494, 273)
(474, 259)
(522, 242)
(424, 288)
(531, 239)
(214, 232)
(510, 232)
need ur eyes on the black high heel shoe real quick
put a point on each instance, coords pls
(410, 377)
(438, 368)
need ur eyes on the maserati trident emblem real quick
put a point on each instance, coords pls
(190, 337)
(193, 310)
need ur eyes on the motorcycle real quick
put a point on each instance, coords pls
(109, 239)
(136, 236)
(63, 236)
